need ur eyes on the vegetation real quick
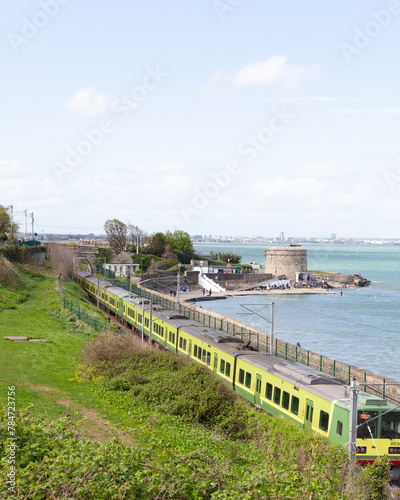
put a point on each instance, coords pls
(181, 245)
(5, 222)
(117, 234)
(158, 425)
(227, 257)
(155, 245)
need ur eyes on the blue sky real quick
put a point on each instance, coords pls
(218, 116)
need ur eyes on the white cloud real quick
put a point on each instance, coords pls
(88, 101)
(319, 170)
(13, 168)
(275, 70)
(367, 111)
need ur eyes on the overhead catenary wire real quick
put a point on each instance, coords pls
(319, 313)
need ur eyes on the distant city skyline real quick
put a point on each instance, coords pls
(217, 117)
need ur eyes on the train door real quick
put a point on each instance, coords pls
(120, 305)
(257, 398)
(215, 362)
(309, 414)
(190, 347)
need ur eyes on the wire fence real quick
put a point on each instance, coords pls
(262, 341)
(82, 315)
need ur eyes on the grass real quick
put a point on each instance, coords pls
(171, 456)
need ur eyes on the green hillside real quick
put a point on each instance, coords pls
(101, 417)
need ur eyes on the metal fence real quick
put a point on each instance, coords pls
(82, 315)
(282, 349)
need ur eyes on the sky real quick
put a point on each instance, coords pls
(226, 117)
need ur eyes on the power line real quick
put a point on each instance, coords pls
(71, 227)
(337, 318)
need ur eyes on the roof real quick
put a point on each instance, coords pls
(122, 258)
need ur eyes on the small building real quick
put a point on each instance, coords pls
(122, 265)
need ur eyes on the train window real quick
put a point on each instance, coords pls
(339, 428)
(241, 376)
(228, 369)
(268, 391)
(139, 318)
(248, 380)
(162, 332)
(173, 338)
(323, 420)
(180, 342)
(222, 366)
(199, 353)
(364, 427)
(390, 425)
(170, 336)
(203, 356)
(195, 351)
(277, 396)
(285, 400)
(146, 322)
(294, 408)
(208, 358)
(184, 344)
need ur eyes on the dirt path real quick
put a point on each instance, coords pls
(96, 426)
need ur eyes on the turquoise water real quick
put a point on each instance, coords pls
(361, 328)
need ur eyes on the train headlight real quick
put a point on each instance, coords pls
(394, 451)
(361, 449)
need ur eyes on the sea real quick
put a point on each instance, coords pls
(361, 327)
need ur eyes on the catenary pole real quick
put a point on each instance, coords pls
(353, 420)
(272, 329)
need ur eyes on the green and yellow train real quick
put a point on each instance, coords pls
(309, 398)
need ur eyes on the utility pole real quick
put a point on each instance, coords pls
(26, 224)
(271, 321)
(33, 232)
(353, 420)
(178, 287)
(151, 320)
(12, 221)
(98, 292)
(272, 329)
(142, 321)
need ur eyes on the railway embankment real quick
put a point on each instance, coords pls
(369, 381)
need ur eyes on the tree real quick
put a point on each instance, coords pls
(181, 244)
(5, 220)
(232, 257)
(117, 234)
(156, 244)
(169, 257)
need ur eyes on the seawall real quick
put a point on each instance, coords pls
(282, 349)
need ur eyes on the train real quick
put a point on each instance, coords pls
(309, 398)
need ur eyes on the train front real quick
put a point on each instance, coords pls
(378, 434)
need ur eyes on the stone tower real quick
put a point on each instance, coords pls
(285, 260)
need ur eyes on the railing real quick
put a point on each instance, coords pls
(282, 349)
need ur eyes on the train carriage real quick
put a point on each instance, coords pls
(311, 399)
